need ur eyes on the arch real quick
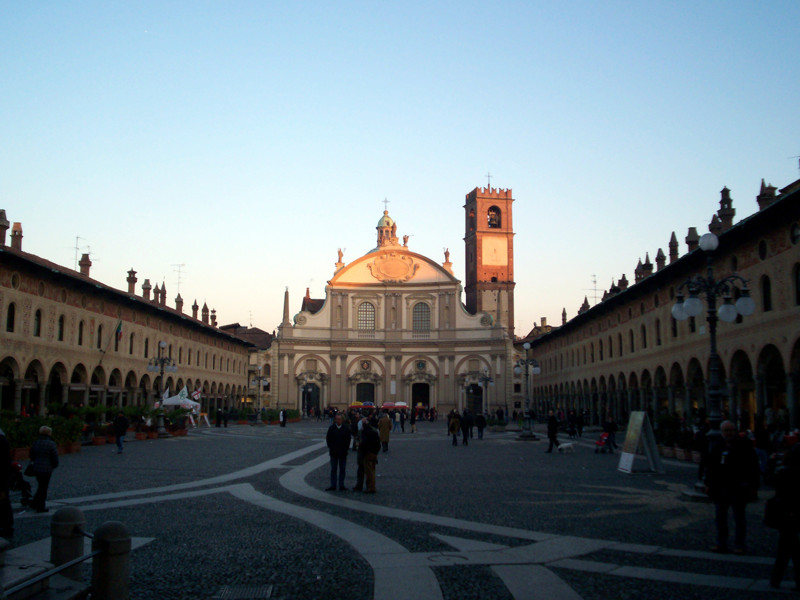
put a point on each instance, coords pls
(37, 323)
(11, 317)
(742, 390)
(771, 391)
(494, 217)
(695, 388)
(56, 384)
(9, 380)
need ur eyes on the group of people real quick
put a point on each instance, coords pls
(370, 435)
(465, 423)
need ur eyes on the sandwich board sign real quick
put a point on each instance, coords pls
(639, 433)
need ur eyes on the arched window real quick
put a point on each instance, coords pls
(366, 320)
(658, 332)
(60, 332)
(421, 320)
(180, 355)
(37, 324)
(213, 362)
(591, 352)
(644, 337)
(674, 327)
(630, 339)
(146, 347)
(619, 345)
(99, 337)
(494, 217)
(600, 349)
(130, 345)
(80, 333)
(10, 317)
(610, 348)
(766, 294)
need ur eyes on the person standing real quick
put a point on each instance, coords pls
(6, 512)
(44, 456)
(552, 432)
(732, 477)
(413, 420)
(786, 482)
(402, 421)
(225, 416)
(281, 417)
(466, 425)
(371, 443)
(480, 423)
(395, 420)
(385, 429)
(120, 428)
(454, 426)
(218, 417)
(610, 427)
(338, 441)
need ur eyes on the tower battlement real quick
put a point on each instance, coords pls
(490, 192)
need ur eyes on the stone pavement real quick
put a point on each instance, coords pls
(240, 513)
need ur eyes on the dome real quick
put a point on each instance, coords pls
(385, 220)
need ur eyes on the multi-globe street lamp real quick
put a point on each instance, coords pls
(486, 380)
(728, 311)
(529, 366)
(161, 364)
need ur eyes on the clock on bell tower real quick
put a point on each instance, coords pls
(489, 246)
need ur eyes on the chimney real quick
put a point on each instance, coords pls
(205, 313)
(85, 264)
(179, 303)
(194, 309)
(766, 196)
(16, 236)
(692, 239)
(131, 281)
(544, 322)
(564, 316)
(3, 227)
(661, 259)
(213, 317)
(156, 294)
(673, 248)
(146, 287)
(162, 299)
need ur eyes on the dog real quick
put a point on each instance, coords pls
(566, 447)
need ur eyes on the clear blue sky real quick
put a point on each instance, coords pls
(250, 140)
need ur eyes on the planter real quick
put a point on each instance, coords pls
(697, 456)
(98, 441)
(683, 454)
(152, 435)
(668, 451)
(242, 422)
(140, 435)
(21, 454)
(74, 447)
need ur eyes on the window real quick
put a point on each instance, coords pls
(60, 332)
(37, 324)
(658, 332)
(600, 349)
(766, 294)
(796, 284)
(366, 320)
(630, 339)
(180, 356)
(692, 324)
(674, 327)
(99, 337)
(146, 347)
(619, 345)
(80, 333)
(610, 348)
(493, 217)
(644, 337)
(10, 317)
(421, 320)
(130, 345)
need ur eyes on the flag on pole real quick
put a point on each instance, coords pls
(196, 395)
(119, 330)
(165, 395)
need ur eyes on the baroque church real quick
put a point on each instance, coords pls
(393, 326)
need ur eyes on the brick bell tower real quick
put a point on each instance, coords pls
(489, 250)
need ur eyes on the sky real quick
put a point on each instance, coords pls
(248, 141)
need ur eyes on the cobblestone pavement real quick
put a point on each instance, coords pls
(240, 513)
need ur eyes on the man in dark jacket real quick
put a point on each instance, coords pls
(338, 440)
(120, 427)
(732, 478)
(44, 456)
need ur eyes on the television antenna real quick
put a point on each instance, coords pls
(593, 289)
(178, 268)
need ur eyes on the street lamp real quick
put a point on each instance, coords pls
(530, 365)
(728, 312)
(160, 364)
(486, 380)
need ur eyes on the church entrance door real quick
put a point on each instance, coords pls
(474, 402)
(365, 392)
(420, 395)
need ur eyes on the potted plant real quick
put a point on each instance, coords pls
(67, 433)
(136, 415)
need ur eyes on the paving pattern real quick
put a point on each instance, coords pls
(240, 513)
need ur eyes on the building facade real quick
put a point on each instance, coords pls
(392, 326)
(629, 353)
(68, 338)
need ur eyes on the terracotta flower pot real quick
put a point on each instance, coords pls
(140, 435)
(21, 454)
(98, 441)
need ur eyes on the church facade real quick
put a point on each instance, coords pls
(393, 327)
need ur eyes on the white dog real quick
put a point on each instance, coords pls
(566, 447)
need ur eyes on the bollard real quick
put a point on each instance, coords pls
(110, 569)
(66, 540)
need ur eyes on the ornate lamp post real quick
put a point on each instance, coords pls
(728, 312)
(530, 365)
(160, 364)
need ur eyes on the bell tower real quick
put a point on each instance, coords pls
(489, 250)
